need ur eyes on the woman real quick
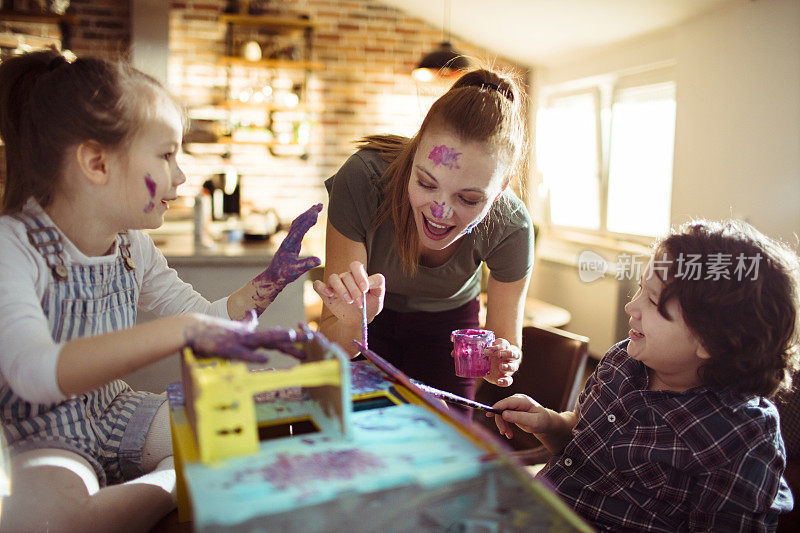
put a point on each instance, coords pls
(414, 219)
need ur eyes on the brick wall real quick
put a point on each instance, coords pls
(367, 51)
(102, 29)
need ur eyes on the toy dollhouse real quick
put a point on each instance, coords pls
(335, 445)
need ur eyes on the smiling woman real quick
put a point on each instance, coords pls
(411, 221)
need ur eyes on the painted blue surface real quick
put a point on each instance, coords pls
(397, 446)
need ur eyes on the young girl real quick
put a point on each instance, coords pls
(91, 159)
(415, 219)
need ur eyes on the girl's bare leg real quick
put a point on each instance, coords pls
(57, 490)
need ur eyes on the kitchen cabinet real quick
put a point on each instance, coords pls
(268, 61)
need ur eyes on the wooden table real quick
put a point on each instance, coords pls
(536, 313)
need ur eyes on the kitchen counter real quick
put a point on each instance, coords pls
(180, 249)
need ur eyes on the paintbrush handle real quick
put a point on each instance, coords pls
(454, 398)
(364, 320)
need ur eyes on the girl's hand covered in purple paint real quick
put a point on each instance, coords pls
(342, 294)
(229, 339)
(286, 266)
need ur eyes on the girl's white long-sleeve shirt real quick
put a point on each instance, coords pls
(28, 353)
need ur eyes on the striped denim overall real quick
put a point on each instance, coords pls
(106, 426)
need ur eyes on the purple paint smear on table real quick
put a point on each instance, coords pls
(365, 377)
(442, 155)
(286, 266)
(151, 188)
(300, 471)
(438, 210)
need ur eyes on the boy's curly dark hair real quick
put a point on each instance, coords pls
(747, 319)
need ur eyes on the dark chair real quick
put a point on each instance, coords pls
(789, 408)
(553, 363)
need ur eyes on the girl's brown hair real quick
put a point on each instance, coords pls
(48, 105)
(740, 297)
(481, 106)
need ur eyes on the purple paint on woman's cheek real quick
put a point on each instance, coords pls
(443, 155)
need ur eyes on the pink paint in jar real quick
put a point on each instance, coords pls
(468, 348)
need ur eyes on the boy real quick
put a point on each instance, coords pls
(673, 431)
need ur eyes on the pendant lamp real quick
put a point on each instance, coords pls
(444, 61)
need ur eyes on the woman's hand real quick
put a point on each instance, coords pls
(506, 359)
(522, 411)
(343, 293)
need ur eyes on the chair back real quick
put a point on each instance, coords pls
(553, 363)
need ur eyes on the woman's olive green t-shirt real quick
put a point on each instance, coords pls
(504, 240)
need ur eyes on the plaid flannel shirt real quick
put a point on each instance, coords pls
(700, 460)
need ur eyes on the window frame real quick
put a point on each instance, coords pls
(606, 88)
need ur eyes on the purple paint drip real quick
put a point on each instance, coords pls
(286, 266)
(440, 211)
(442, 155)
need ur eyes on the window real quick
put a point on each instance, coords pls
(606, 154)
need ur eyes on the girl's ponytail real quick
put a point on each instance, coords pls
(18, 77)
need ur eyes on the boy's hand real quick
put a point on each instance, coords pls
(522, 411)
(506, 359)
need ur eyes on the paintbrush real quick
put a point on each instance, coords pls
(449, 397)
(364, 319)
(394, 375)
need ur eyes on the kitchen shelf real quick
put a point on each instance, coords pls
(276, 24)
(42, 18)
(270, 63)
(235, 105)
(65, 23)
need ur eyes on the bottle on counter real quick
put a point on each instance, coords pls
(200, 217)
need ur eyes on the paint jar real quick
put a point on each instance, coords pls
(468, 348)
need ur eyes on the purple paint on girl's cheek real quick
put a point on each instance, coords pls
(151, 188)
(443, 155)
(151, 185)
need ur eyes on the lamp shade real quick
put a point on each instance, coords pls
(444, 61)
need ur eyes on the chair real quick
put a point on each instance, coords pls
(789, 408)
(553, 363)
